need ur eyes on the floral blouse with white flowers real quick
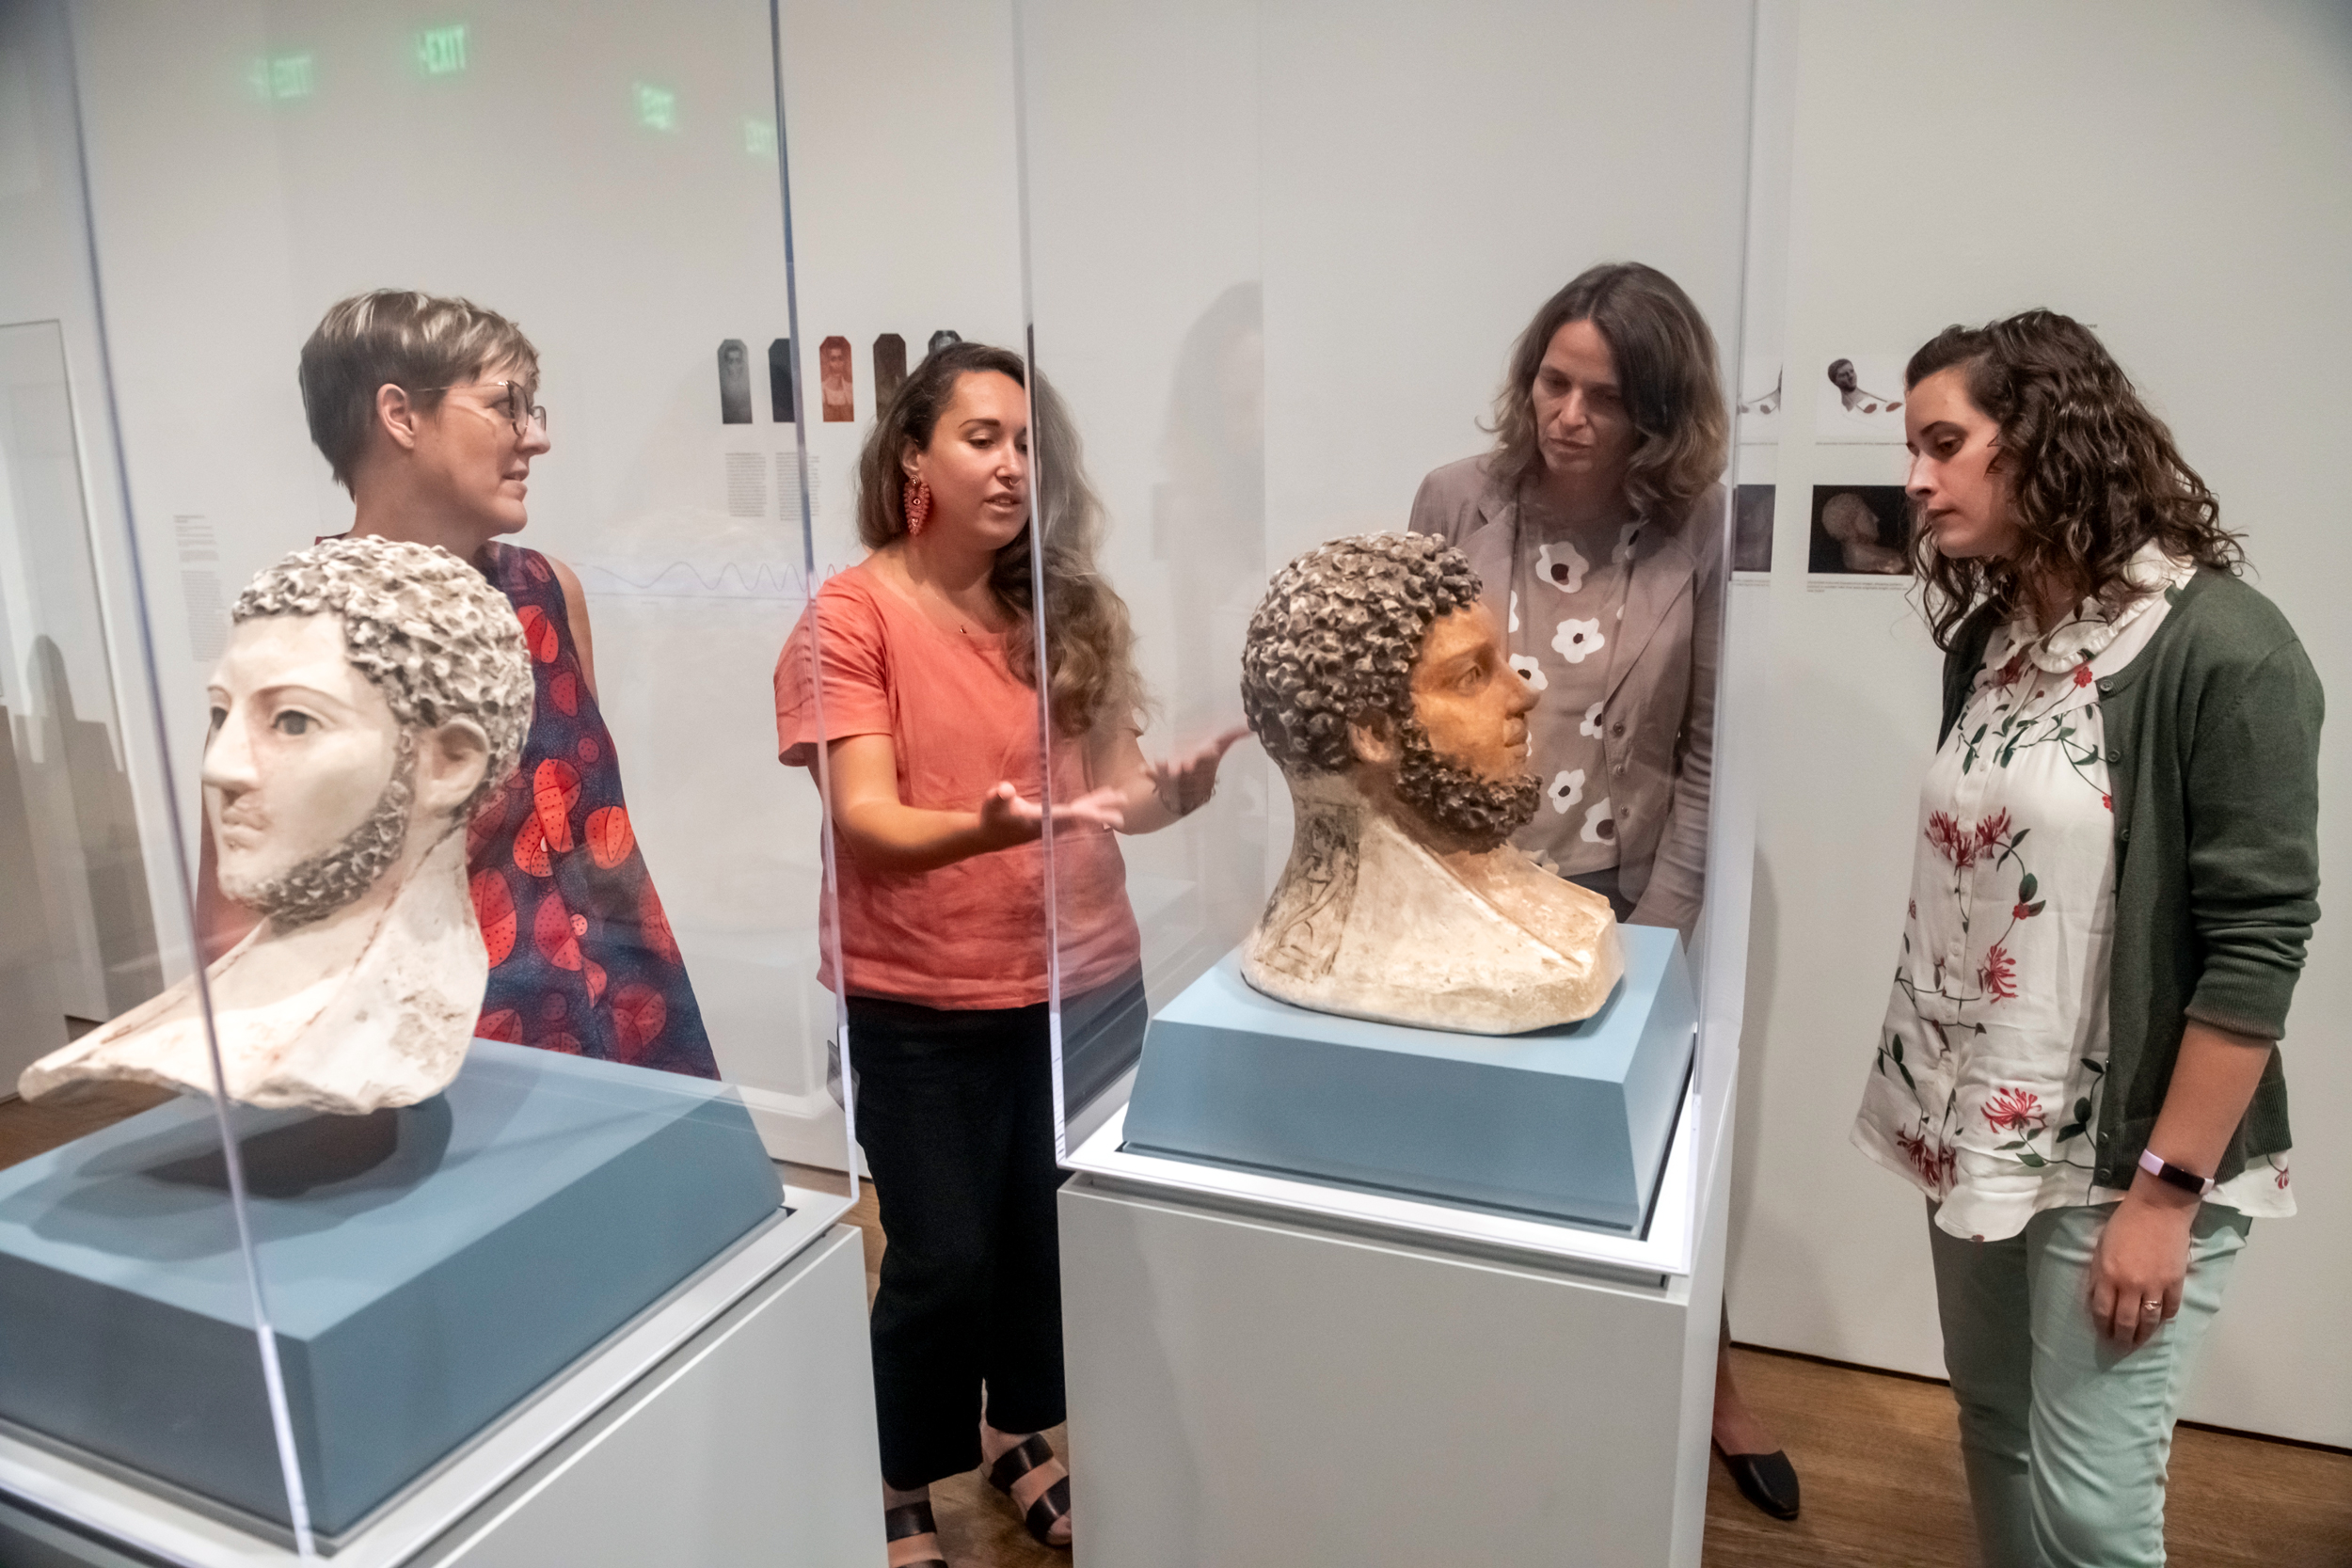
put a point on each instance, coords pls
(1986, 1086)
(1568, 595)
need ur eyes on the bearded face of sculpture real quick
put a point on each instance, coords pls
(1459, 760)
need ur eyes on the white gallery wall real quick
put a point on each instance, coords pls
(2175, 175)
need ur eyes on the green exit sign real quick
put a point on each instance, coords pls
(281, 76)
(657, 107)
(441, 51)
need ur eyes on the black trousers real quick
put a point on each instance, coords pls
(955, 1112)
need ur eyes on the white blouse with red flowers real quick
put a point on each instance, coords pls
(1991, 1067)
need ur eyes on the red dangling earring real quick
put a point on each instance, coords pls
(918, 507)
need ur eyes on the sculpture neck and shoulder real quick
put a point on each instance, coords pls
(372, 1005)
(1376, 918)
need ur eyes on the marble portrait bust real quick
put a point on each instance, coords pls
(370, 694)
(1383, 690)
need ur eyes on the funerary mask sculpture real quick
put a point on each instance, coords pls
(1383, 688)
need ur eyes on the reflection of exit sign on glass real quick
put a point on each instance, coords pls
(759, 138)
(442, 50)
(657, 108)
(281, 76)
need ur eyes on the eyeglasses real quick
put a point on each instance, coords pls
(514, 404)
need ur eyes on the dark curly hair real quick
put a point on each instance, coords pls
(1336, 639)
(2092, 473)
(1666, 360)
(1089, 639)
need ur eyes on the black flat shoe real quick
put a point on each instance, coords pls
(1766, 1479)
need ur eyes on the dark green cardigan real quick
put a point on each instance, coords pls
(2213, 747)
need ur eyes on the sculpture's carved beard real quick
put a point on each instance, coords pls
(1482, 810)
(317, 887)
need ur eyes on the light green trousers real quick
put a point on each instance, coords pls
(2065, 1438)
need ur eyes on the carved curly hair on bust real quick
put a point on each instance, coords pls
(1336, 638)
(425, 628)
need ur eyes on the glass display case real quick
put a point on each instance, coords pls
(411, 959)
(1279, 261)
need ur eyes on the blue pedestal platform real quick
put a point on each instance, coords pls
(425, 1268)
(1571, 1123)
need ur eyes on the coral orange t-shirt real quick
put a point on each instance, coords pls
(973, 934)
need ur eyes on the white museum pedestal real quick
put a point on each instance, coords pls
(1263, 1373)
(731, 1422)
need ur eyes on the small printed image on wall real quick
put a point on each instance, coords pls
(1860, 400)
(1860, 531)
(837, 380)
(1759, 409)
(1751, 527)
(735, 383)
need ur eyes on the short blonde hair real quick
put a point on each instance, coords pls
(416, 342)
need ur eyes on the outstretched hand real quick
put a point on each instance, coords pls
(1183, 783)
(1009, 818)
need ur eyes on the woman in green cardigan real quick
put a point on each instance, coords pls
(2117, 872)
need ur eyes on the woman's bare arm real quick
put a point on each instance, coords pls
(887, 834)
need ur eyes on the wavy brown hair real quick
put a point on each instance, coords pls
(1665, 360)
(1089, 642)
(2093, 474)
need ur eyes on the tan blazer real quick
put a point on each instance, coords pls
(1660, 718)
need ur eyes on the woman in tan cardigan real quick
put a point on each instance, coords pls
(1597, 524)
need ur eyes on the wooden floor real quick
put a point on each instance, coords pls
(1878, 1454)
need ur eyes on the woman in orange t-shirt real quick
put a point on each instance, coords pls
(921, 687)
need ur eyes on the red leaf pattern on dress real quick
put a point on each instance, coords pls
(560, 1042)
(638, 1015)
(655, 922)
(505, 1025)
(610, 836)
(564, 690)
(555, 790)
(494, 908)
(538, 568)
(595, 980)
(551, 931)
(531, 850)
(538, 633)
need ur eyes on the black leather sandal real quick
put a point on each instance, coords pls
(1766, 1479)
(1052, 1505)
(911, 1519)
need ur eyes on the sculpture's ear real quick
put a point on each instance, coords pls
(450, 760)
(1372, 738)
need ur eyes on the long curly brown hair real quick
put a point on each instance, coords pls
(1089, 639)
(2092, 473)
(1665, 360)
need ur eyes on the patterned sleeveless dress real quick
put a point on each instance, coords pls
(581, 957)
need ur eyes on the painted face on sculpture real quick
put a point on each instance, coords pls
(1460, 761)
(308, 774)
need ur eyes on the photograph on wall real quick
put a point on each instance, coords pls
(1751, 527)
(890, 367)
(735, 383)
(835, 382)
(1860, 531)
(1860, 398)
(780, 380)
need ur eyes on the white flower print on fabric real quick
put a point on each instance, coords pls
(1515, 610)
(1566, 790)
(1564, 570)
(1577, 640)
(1624, 553)
(1600, 823)
(1589, 726)
(1525, 667)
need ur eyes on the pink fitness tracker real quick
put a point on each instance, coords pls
(2165, 1170)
